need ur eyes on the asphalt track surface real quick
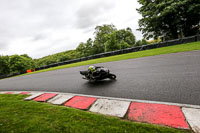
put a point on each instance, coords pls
(167, 78)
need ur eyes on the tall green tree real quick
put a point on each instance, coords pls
(4, 63)
(81, 49)
(89, 47)
(170, 19)
(119, 39)
(85, 49)
(20, 63)
(125, 35)
(101, 36)
(111, 44)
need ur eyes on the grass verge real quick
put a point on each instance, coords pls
(21, 116)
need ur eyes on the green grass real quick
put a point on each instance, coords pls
(19, 116)
(152, 52)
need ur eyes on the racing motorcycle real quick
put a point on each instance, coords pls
(103, 73)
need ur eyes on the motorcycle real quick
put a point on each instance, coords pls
(104, 73)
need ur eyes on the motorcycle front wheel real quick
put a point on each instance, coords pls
(112, 76)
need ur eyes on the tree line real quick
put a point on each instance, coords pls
(108, 38)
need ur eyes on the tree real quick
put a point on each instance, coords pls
(85, 49)
(89, 47)
(81, 49)
(126, 36)
(111, 44)
(124, 45)
(170, 19)
(25, 55)
(63, 58)
(101, 36)
(119, 39)
(20, 63)
(4, 63)
(141, 42)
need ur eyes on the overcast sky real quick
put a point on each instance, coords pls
(44, 27)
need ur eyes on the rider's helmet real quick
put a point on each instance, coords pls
(92, 68)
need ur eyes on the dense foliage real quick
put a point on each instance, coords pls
(170, 19)
(16, 63)
(59, 57)
(107, 38)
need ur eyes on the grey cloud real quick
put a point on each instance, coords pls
(27, 16)
(30, 18)
(89, 14)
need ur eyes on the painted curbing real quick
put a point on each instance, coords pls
(110, 107)
(193, 117)
(60, 99)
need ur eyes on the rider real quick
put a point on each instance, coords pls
(95, 71)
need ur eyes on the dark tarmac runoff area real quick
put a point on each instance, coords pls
(167, 78)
